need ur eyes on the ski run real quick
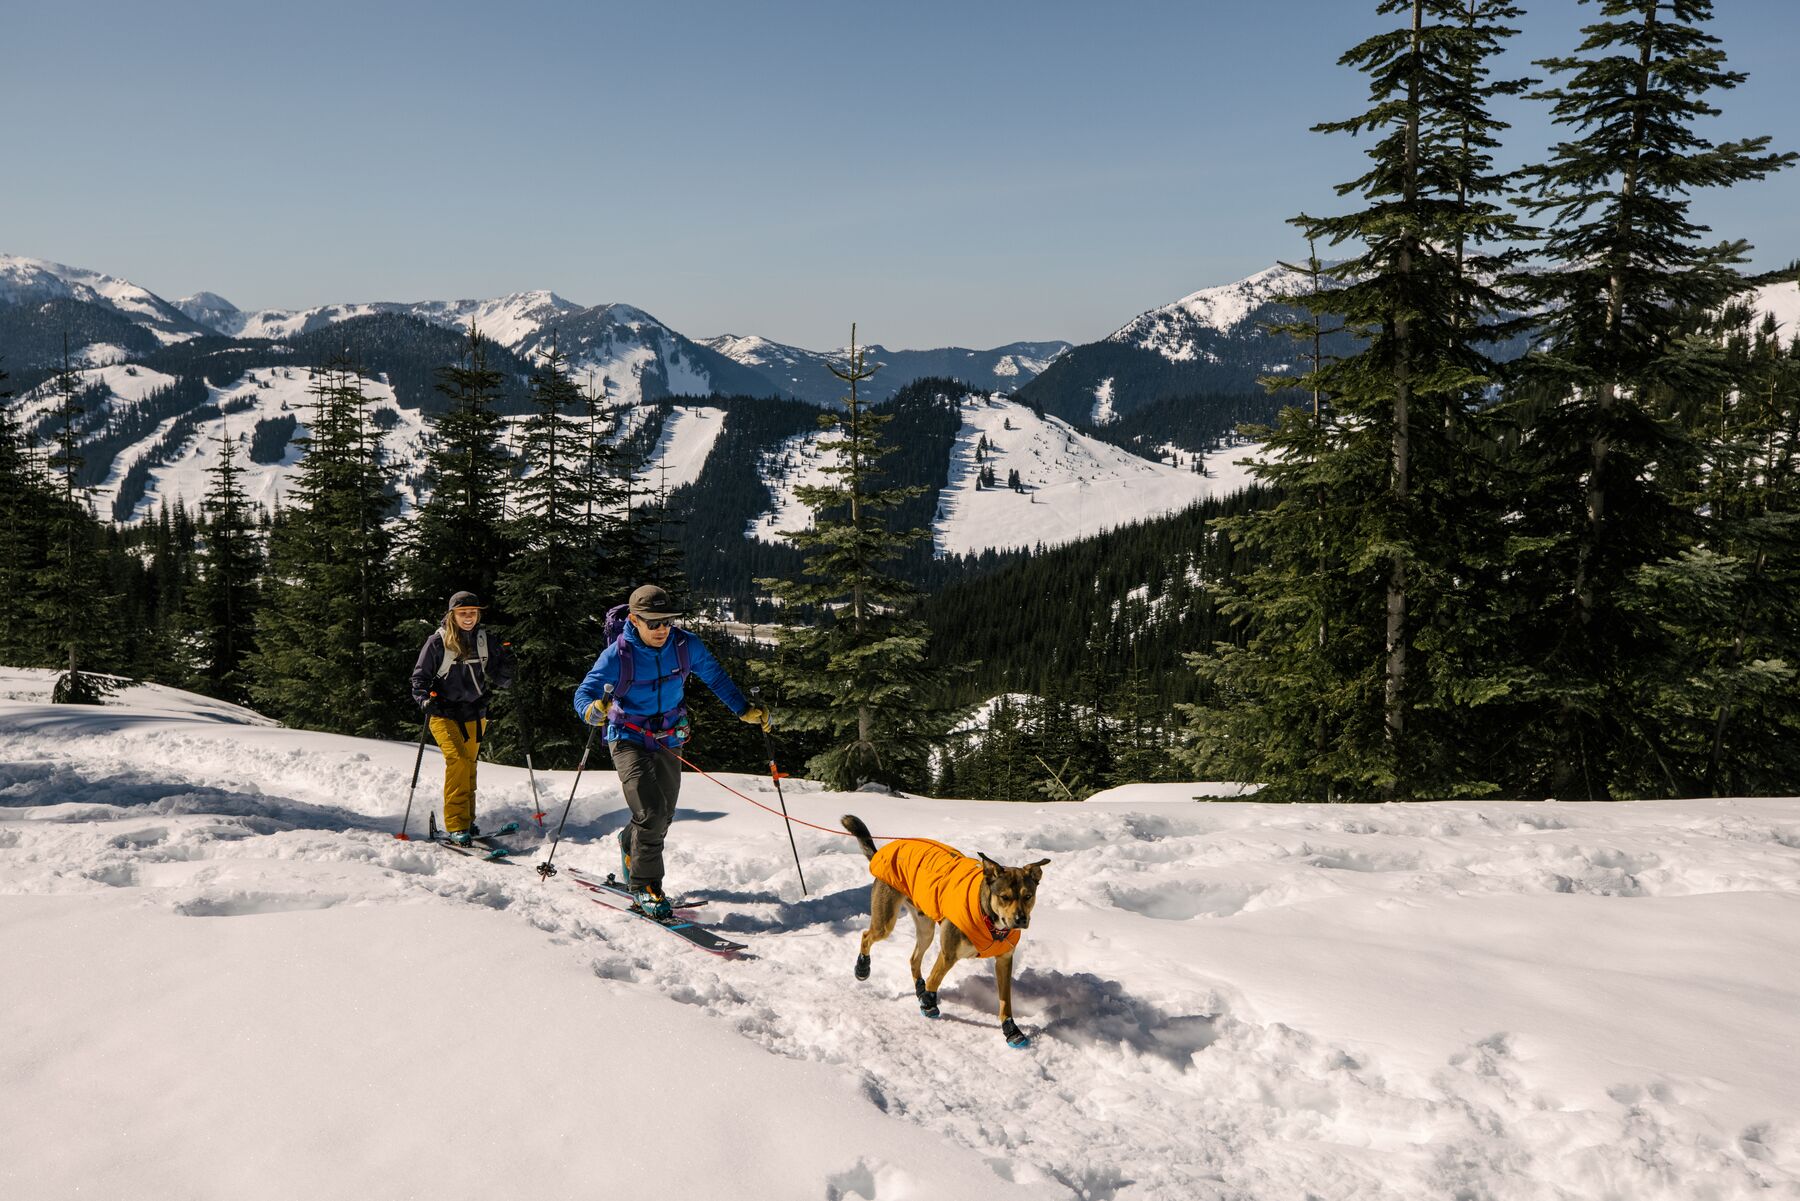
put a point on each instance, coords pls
(225, 978)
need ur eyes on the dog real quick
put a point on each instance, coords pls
(978, 907)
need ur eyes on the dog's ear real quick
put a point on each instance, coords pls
(1036, 869)
(988, 867)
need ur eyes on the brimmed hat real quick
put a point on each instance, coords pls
(464, 600)
(652, 601)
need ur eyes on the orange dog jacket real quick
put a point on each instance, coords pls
(945, 884)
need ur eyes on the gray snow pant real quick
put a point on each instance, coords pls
(650, 780)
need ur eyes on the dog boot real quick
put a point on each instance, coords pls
(928, 1003)
(1015, 1037)
(862, 967)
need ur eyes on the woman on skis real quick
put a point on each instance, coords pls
(459, 667)
(647, 665)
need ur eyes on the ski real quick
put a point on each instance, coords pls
(614, 897)
(611, 884)
(482, 846)
(486, 852)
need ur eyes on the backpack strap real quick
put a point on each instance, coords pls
(481, 652)
(627, 667)
(684, 666)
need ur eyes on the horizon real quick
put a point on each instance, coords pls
(938, 180)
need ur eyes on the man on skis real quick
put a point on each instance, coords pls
(647, 665)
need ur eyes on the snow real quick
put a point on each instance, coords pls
(1103, 413)
(28, 279)
(1157, 794)
(221, 964)
(1226, 306)
(1076, 486)
(509, 320)
(1783, 300)
(797, 462)
(101, 354)
(750, 350)
(685, 378)
(270, 393)
(688, 435)
(1170, 330)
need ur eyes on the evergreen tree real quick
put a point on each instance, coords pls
(72, 604)
(24, 504)
(1625, 269)
(326, 656)
(1723, 699)
(556, 587)
(1360, 615)
(222, 604)
(858, 673)
(458, 538)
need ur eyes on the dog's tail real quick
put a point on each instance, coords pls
(854, 824)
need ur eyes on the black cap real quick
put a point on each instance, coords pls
(652, 601)
(464, 600)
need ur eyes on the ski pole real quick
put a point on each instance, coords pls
(775, 775)
(425, 729)
(547, 868)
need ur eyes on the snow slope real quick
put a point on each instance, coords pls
(688, 435)
(1075, 486)
(227, 979)
(1783, 300)
(270, 392)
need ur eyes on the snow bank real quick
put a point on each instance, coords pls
(227, 979)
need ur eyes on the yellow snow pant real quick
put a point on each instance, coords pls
(460, 742)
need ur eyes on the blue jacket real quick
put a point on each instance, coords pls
(657, 689)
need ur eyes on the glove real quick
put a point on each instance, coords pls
(596, 713)
(756, 716)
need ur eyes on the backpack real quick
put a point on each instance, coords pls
(481, 652)
(615, 635)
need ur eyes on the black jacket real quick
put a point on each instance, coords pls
(462, 695)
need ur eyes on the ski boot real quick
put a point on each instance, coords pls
(649, 897)
(459, 838)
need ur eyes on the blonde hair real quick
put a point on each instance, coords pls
(453, 640)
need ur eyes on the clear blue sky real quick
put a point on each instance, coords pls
(942, 173)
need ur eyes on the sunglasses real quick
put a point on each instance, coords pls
(657, 623)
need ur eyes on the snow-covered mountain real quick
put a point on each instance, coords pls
(1182, 332)
(618, 347)
(227, 978)
(28, 281)
(1210, 341)
(806, 374)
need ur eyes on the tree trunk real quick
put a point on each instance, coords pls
(1395, 698)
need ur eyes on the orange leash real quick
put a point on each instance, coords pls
(734, 792)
